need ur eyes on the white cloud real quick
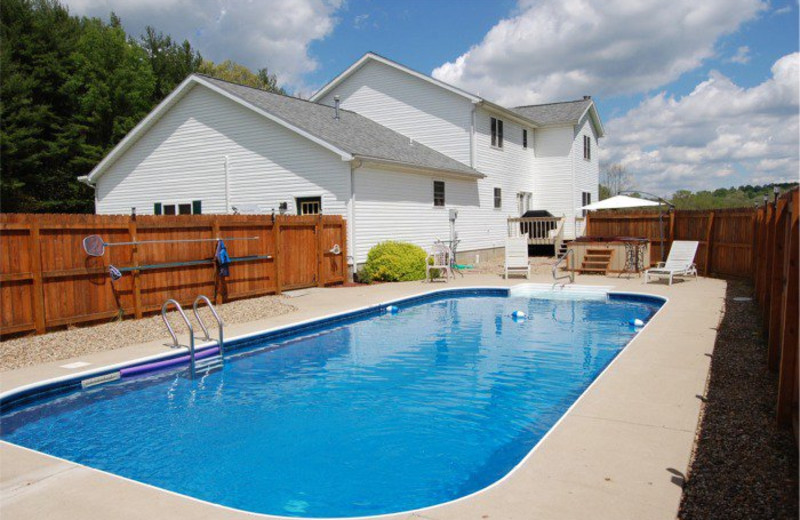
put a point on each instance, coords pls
(560, 49)
(742, 55)
(263, 33)
(720, 134)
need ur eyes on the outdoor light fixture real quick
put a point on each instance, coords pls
(283, 207)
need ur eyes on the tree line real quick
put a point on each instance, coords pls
(71, 88)
(615, 178)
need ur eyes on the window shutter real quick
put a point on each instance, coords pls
(197, 207)
(157, 208)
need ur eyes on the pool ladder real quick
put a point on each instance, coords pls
(570, 274)
(207, 364)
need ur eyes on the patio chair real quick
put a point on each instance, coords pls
(439, 261)
(517, 256)
(680, 262)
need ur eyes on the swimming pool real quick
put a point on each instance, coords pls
(364, 413)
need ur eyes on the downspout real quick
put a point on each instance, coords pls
(473, 155)
(574, 215)
(351, 218)
(227, 186)
(84, 179)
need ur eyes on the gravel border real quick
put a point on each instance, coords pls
(743, 466)
(33, 350)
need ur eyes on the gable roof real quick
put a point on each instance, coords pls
(563, 113)
(550, 114)
(371, 56)
(352, 136)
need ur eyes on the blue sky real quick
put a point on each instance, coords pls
(694, 95)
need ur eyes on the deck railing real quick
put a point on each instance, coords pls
(540, 230)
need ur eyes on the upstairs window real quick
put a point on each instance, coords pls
(438, 193)
(524, 138)
(498, 198)
(309, 205)
(497, 132)
(587, 147)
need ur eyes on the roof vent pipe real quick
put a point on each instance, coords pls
(336, 106)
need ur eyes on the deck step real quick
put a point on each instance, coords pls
(596, 261)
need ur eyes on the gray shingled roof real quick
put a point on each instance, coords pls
(353, 133)
(554, 113)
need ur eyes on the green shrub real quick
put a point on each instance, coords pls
(395, 262)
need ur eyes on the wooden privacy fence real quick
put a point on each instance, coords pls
(776, 289)
(726, 236)
(47, 280)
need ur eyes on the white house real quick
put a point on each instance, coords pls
(389, 148)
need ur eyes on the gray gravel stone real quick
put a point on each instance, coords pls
(64, 344)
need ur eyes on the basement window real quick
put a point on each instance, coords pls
(194, 207)
(309, 205)
(497, 132)
(438, 193)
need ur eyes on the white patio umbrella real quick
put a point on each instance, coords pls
(620, 202)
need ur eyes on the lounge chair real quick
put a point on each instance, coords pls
(517, 256)
(440, 261)
(680, 262)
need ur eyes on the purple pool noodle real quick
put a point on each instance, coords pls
(158, 365)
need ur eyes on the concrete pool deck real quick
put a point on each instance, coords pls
(620, 452)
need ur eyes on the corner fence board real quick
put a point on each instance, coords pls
(49, 281)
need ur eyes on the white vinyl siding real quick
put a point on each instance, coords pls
(587, 172)
(553, 187)
(184, 154)
(411, 106)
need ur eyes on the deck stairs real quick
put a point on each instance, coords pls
(596, 261)
(562, 249)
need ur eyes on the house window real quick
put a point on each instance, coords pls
(194, 207)
(438, 193)
(586, 199)
(309, 205)
(497, 132)
(587, 147)
(498, 198)
(524, 138)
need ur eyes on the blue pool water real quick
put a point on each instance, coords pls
(374, 414)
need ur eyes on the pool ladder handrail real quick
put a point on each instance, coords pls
(220, 323)
(570, 274)
(175, 342)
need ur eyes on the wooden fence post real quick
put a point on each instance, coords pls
(137, 289)
(776, 284)
(709, 236)
(38, 285)
(320, 252)
(788, 375)
(276, 231)
(220, 289)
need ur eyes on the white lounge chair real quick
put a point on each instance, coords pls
(517, 256)
(680, 262)
(439, 260)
